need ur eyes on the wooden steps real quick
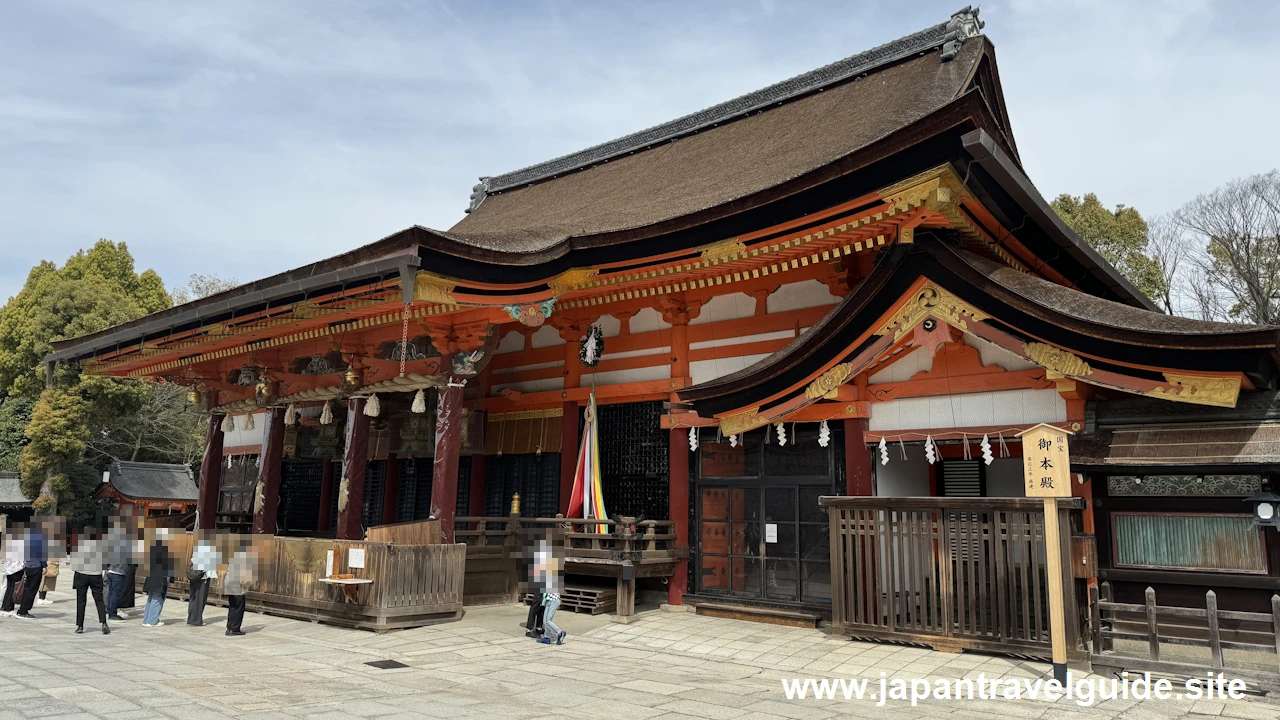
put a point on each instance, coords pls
(590, 599)
(772, 616)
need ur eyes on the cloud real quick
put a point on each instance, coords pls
(247, 138)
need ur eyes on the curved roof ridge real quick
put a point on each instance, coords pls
(962, 25)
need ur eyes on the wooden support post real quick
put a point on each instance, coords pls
(444, 470)
(475, 497)
(267, 498)
(1095, 620)
(391, 490)
(678, 508)
(1215, 637)
(1153, 626)
(1053, 568)
(325, 520)
(354, 466)
(857, 459)
(210, 471)
(1275, 622)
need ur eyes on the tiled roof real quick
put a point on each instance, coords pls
(11, 491)
(153, 481)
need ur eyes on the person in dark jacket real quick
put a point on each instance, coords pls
(159, 574)
(37, 559)
(87, 562)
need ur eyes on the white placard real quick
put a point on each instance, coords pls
(770, 532)
(328, 563)
(355, 558)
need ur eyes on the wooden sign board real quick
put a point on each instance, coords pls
(1046, 461)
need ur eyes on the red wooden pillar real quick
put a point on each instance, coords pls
(857, 459)
(325, 520)
(270, 459)
(391, 492)
(568, 452)
(475, 506)
(444, 470)
(354, 465)
(678, 474)
(210, 471)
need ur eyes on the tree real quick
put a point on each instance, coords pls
(1120, 236)
(1234, 245)
(199, 286)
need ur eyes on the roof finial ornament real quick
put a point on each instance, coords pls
(479, 192)
(962, 26)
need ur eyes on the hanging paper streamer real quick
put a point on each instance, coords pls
(733, 441)
(291, 415)
(419, 403)
(326, 414)
(884, 451)
(587, 499)
(248, 421)
(782, 435)
(930, 451)
(824, 434)
(228, 424)
(693, 438)
(986, 450)
(373, 408)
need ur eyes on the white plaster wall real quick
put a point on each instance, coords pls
(546, 336)
(993, 354)
(529, 386)
(1008, 407)
(511, 342)
(240, 436)
(804, 294)
(741, 339)
(703, 370)
(648, 320)
(904, 367)
(726, 307)
(610, 326)
(1004, 476)
(615, 377)
(902, 478)
(521, 368)
(634, 353)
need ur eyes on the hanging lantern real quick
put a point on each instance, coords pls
(351, 378)
(824, 434)
(228, 424)
(419, 402)
(248, 422)
(930, 451)
(986, 450)
(326, 414)
(290, 415)
(693, 439)
(884, 451)
(373, 408)
(193, 396)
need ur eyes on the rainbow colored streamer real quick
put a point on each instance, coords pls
(587, 500)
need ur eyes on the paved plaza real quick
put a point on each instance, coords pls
(664, 666)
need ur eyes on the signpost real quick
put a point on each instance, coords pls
(1046, 471)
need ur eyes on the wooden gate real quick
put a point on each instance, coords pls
(952, 573)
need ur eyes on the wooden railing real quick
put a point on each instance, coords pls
(952, 573)
(411, 585)
(1159, 625)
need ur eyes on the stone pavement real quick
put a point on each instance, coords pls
(664, 666)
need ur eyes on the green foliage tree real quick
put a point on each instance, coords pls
(1121, 236)
(74, 425)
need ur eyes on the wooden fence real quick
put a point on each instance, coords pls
(630, 549)
(951, 573)
(1211, 628)
(410, 585)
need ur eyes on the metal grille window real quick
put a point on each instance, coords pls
(962, 478)
(537, 479)
(375, 483)
(635, 453)
(1223, 543)
(300, 481)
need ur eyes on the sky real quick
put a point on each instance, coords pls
(243, 139)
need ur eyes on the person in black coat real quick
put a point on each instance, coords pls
(159, 574)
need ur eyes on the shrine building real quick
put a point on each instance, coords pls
(843, 284)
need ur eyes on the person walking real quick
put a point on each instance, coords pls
(553, 577)
(14, 552)
(119, 552)
(86, 563)
(159, 573)
(240, 572)
(202, 571)
(37, 559)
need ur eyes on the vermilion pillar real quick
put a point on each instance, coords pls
(325, 520)
(270, 459)
(355, 464)
(210, 471)
(857, 459)
(391, 491)
(444, 471)
(678, 473)
(568, 452)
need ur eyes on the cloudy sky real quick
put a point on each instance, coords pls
(246, 138)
